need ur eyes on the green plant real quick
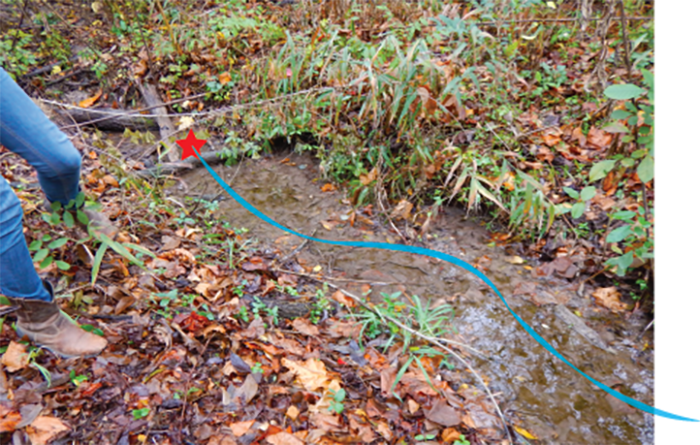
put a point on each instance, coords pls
(586, 194)
(337, 398)
(257, 368)
(462, 440)
(77, 379)
(320, 305)
(141, 413)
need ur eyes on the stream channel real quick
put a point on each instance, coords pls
(555, 403)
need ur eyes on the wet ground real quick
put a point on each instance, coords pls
(555, 402)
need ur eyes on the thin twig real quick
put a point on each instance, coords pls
(625, 39)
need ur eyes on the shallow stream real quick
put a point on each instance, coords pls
(555, 403)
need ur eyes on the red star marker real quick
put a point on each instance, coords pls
(190, 144)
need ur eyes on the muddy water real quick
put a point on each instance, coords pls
(553, 401)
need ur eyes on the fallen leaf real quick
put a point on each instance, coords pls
(9, 423)
(15, 357)
(328, 188)
(525, 433)
(599, 139)
(609, 297)
(443, 414)
(292, 412)
(311, 374)
(284, 438)
(343, 299)
(450, 435)
(45, 429)
(402, 210)
(90, 101)
(240, 428)
(515, 259)
(224, 78)
(185, 123)
(304, 326)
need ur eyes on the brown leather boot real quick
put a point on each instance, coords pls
(46, 325)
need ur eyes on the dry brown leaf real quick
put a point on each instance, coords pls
(90, 101)
(551, 139)
(443, 414)
(609, 297)
(292, 412)
(16, 357)
(240, 428)
(368, 178)
(328, 188)
(284, 438)
(305, 327)
(450, 435)
(343, 299)
(224, 78)
(45, 429)
(402, 210)
(311, 374)
(413, 406)
(9, 422)
(599, 139)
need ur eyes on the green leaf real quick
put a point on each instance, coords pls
(121, 250)
(577, 210)
(571, 192)
(62, 265)
(620, 114)
(35, 245)
(58, 243)
(82, 217)
(621, 263)
(54, 219)
(645, 170)
(46, 238)
(587, 193)
(68, 219)
(47, 262)
(600, 169)
(616, 127)
(140, 249)
(623, 91)
(56, 206)
(79, 200)
(97, 261)
(618, 234)
(141, 413)
(625, 215)
(627, 162)
(40, 255)
(44, 372)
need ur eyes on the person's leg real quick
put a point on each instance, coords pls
(25, 130)
(18, 279)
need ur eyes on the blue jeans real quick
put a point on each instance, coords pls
(26, 131)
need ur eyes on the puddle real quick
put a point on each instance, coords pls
(554, 402)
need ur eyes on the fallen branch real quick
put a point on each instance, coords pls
(170, 168)
(165, 125)
(109, 120)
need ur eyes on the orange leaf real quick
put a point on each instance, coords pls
(224, 78)
(328, 188)
(90, 101)
(44, 429)
(16, 357)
